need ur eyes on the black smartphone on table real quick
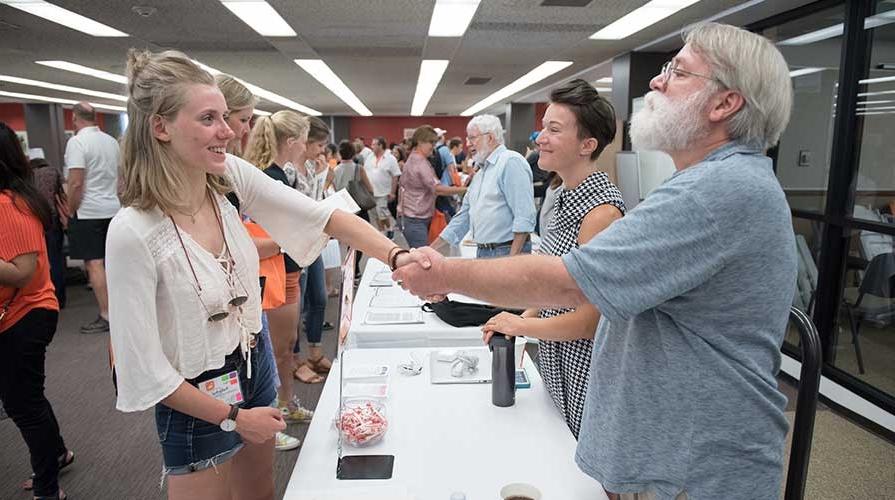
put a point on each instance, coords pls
(365, 467)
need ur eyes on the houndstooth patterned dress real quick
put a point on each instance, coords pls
(564, 366)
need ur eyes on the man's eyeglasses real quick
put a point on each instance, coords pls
(472, 138)
(670, 69)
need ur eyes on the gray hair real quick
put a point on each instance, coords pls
(753, 67)
(487, 124)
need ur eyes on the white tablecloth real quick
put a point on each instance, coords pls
(433, 332)
(446, 438)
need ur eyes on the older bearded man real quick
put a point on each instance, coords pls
(499, 207)
(694, 286)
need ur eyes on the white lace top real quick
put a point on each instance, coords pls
(159, 327)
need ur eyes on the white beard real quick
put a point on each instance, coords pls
(480, 156)
(670, 125)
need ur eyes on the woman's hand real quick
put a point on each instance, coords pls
(320, 163)
(506, 323)
(258, 425)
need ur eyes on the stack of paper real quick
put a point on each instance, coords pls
(382, 278)
(397, 316)
(392, 297)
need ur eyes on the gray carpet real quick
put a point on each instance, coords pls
(117, 455)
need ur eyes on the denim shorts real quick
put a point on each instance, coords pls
(190, 444)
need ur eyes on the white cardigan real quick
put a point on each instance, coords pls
(160, 330)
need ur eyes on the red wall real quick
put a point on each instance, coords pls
(392, 127)
(540, 109)
(13, 114)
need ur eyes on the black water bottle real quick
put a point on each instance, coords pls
(503, 370)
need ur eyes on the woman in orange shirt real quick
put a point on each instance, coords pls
(28, 314)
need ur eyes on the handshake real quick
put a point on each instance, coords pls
(423, 272)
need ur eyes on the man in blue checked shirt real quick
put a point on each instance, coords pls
(498, 208)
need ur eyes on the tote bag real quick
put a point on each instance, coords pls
(439, 222)
(356, 189)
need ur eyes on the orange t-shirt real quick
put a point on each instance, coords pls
(22, 233)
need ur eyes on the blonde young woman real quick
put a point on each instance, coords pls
(182, 271)
(240, 108)
(276, 143)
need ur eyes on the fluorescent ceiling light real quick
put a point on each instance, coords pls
(84, 70)
(452, 17)
(66, 18)
(876, 113)
(261, 112)
(838, 29)
(603, 89)
(260, 16)
(865, 103)
(640, 18)
(265, 94)
(431, 71)
(815, 36)
(323, 74)
(532, 77)
(804, 71)
(59, 100)
(63, 88)
(605, 79)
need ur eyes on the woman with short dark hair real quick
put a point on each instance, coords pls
(577, 126)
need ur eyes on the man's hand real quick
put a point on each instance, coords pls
(509, 324)
(422, 272)
(413, 257)
(320, 164)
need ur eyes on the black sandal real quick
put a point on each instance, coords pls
(65, 460)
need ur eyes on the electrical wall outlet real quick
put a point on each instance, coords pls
(804, 158)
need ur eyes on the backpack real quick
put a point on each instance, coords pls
(442, 203)
(436, 162)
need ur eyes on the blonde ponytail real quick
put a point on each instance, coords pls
(272, 131)
(262, 147)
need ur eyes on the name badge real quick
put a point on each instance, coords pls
(224, 387)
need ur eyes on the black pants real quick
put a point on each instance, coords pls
(23, 349)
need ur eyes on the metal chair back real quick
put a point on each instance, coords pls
(806, 405)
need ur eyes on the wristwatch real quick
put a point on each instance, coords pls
(229, 423)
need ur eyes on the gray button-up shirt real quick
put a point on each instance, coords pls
(694, 286)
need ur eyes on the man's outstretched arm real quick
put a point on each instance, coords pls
(521, 281)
